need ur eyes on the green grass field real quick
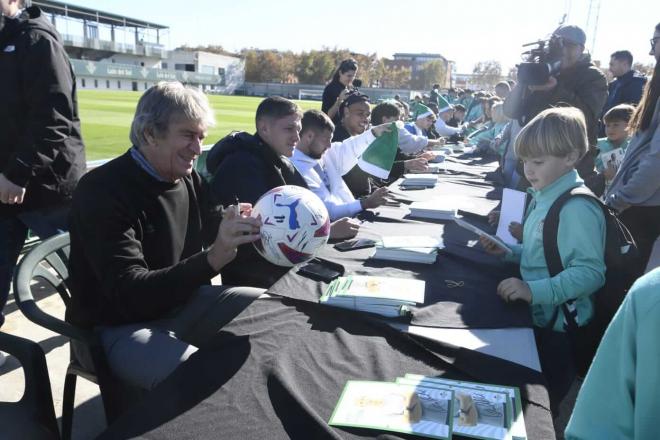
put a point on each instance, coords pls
(106, 118)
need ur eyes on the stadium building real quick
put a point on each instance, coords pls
(114, 52)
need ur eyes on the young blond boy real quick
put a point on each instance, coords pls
(550, 145)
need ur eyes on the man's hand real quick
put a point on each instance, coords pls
(551, 84)
(513, 289)
(418, 164)
(236, 228)
(375, 199)
(609, 172)
(378, 130)
(344, 228)
(427, 155)
(491, 247)
(10, 193)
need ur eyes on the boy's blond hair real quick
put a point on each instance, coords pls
(553, 132)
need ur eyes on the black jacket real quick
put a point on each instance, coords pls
(583, 86)
(40, 142)
(244, 167)
(626, 89)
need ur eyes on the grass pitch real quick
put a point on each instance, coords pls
(106, 118)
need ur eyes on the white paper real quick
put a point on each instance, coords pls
(513, 210)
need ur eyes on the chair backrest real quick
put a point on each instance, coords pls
(33, 416)
(47, 263)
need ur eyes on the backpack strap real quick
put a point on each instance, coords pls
(551, 247)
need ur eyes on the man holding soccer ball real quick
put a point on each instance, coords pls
(146, 242)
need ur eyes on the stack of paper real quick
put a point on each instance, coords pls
(422, 179)
(412, 249)
(437, 209)
(382, 295)
(433, 407)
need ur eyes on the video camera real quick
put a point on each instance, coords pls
(541, 62)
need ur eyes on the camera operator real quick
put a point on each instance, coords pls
(574, 81)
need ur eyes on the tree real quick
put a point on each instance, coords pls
(513, 74)
(431, 72)
(487, 73)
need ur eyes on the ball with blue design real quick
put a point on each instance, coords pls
(295, 224)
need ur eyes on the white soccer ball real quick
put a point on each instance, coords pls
(295, 224)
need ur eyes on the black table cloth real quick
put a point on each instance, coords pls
(277, 370)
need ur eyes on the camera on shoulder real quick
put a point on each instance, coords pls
(541, 61)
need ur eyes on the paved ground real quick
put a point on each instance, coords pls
(89, 419)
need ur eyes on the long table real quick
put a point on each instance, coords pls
(276, 371)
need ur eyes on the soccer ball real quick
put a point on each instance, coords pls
(294, 225)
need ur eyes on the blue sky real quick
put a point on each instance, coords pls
(465, 31)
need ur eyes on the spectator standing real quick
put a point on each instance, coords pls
(41, 149)
(635, 189)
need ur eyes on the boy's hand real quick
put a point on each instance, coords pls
(514, 289)
(516, 230)
(609, 172)
(491, 247)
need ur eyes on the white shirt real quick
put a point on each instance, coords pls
(445, 130)
(412, 143)
(337, 160)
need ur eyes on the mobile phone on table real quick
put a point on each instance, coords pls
(350, 245)
(319, 269)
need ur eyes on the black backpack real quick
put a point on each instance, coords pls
(620, 261)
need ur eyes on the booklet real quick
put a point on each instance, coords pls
(418, 410)
(462, 223)
(517, 427)
(513, 210)
(436, 209)
(613, 157)
(424, 179)
(382, 295)
(478, 413)
(412, 249)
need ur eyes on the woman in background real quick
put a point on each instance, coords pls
(335, 92)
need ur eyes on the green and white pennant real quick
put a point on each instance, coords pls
(378, 158)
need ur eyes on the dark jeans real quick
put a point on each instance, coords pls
(143, 354)
(557, 364)
(644, 225)
(14, 231)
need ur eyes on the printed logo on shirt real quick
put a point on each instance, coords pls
(10, 48)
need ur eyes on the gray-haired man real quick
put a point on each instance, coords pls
(145, 243)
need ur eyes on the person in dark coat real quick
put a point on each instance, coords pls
(579, 83)
(627, 86)
(245, 166)
(41, 149)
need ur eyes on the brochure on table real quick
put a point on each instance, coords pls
(420, 410)
(517, 429)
